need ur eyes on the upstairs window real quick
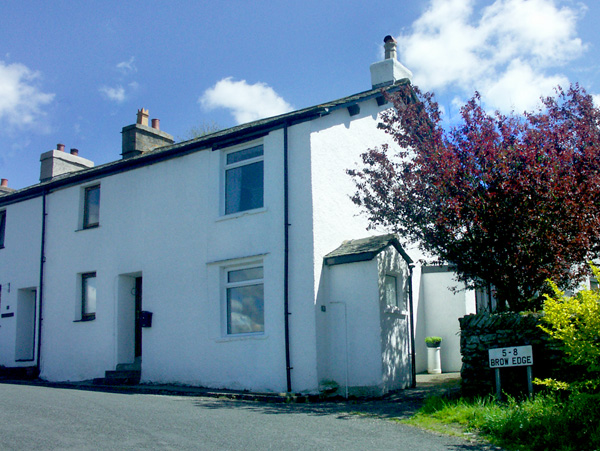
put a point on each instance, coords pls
(2, 227)
(245, 300)
(91, 206)
(88, 296)
(244, 180)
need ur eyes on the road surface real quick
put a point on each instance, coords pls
(35, 418)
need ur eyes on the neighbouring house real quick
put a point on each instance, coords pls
(234, 260)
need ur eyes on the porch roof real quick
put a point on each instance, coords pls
(364, 249)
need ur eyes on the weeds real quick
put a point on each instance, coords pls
(547, 422)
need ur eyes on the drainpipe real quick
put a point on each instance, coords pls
(286, 252)
(41, 290)
(411, 325)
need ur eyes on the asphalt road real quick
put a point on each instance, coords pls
(33, 417)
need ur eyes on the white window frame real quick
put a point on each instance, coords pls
(85, 224)
(230, 166)
(226, 286)
(399, 304)
(86, 315)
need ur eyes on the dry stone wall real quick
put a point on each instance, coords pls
(483, 331)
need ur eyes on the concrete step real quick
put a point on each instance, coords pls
(19, 373)
(131, 377)
(136, 366)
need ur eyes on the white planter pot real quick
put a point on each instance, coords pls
(434, 361)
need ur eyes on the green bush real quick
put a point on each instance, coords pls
(574, 321)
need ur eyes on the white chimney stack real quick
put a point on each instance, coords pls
(388, 71)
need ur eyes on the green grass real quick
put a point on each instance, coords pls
(547, 422)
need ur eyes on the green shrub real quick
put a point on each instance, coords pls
(574, 321)
(433, 341)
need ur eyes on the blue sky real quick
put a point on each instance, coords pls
(76, 72)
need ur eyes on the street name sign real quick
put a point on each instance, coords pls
(513, 356)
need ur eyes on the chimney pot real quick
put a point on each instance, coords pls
(142, 117)
(390, 47)
(75, 152)
(4, 183)
(60, 147)
(389, 70)
(156, 124)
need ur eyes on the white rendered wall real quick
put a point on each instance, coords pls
(438, 316)
(163, 222)
(353, 351)
(395, 324)
(19, 270)
(337, 141)
(363, 343)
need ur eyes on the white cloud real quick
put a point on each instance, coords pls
(519, 87)
(127, 67)
(596, 98)
(21, 100)
(120, 93)
(246, 102)
(509, 50)
(116, 94)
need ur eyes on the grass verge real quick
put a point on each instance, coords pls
(547, 422)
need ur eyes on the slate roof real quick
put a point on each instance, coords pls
(364, 249)
(219, 139)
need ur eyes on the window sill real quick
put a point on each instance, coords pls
(91, 227)
(239, 337)
(241, 213)
(395, 311)
(84, 320)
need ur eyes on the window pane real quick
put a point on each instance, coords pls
(245, 309)
(241, 275)
(245, 154)
(244, 188)
(89, 294)
(92, 206)
(391, 298)
(2, 227)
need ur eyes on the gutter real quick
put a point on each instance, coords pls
(213, 141)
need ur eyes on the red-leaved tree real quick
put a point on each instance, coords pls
(507, 200)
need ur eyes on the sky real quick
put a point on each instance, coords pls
(76, 72)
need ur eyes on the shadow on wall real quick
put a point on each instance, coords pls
(395, 320)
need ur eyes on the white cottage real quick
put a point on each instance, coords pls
(220, 262)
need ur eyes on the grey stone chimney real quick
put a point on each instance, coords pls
(388, 71)
(139, 137)
(58, 162)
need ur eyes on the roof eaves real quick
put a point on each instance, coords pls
(218, 139)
